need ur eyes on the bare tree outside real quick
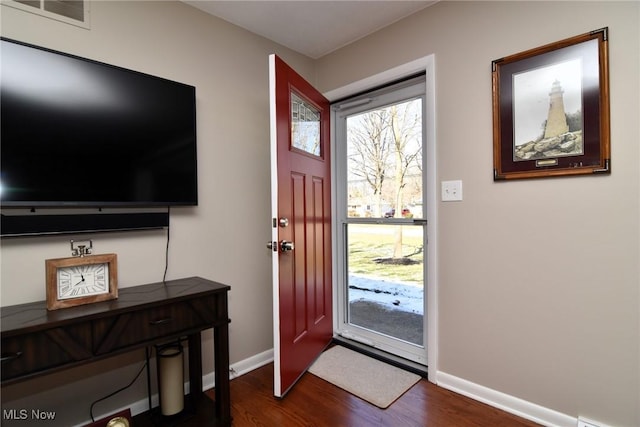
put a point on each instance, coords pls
(406, 126)
(369, 152)
(384, 153)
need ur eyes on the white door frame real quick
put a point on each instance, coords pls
(427, 65)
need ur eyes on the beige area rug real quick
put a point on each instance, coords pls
(372, 380)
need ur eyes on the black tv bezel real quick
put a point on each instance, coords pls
(110, 204)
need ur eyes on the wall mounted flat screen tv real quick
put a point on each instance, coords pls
(77, 132)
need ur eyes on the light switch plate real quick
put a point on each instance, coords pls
(451, 191)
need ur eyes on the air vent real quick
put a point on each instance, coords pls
(75, 12)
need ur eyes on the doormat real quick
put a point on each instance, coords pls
(372, 380)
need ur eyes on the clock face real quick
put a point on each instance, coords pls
(83, 280)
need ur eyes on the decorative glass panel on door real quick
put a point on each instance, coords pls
(305, 126)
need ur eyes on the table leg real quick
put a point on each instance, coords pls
(221, 366)
(195, 367)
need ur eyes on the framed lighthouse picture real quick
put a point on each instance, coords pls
(551, 110)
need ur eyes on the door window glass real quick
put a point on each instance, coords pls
(386, 280)
(384, 162)
(305, 125)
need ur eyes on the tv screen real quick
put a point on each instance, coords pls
(77, 132)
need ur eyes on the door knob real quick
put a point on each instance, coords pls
(272, 245)
(286, 246)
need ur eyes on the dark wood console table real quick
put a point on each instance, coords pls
(36, 341)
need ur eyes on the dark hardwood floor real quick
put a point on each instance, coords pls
(315, 402)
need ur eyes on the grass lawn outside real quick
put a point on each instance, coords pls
(370, 242)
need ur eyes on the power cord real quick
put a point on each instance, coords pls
(116, 392)
(164, 278)
(166, 254)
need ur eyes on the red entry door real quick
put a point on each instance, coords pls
(301, 221)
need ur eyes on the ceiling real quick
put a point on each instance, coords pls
(312, 28)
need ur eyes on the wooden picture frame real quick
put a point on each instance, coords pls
(81, 280)
(551, 110)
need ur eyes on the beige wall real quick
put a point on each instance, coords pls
(223, 238)
(538, 280)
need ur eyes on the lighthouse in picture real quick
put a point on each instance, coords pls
(557, 120)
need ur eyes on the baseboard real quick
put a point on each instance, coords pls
(251, 363)
(522, 408)
(240, 368)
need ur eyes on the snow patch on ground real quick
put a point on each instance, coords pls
(392, 295)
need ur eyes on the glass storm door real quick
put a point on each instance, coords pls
(381, 216)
